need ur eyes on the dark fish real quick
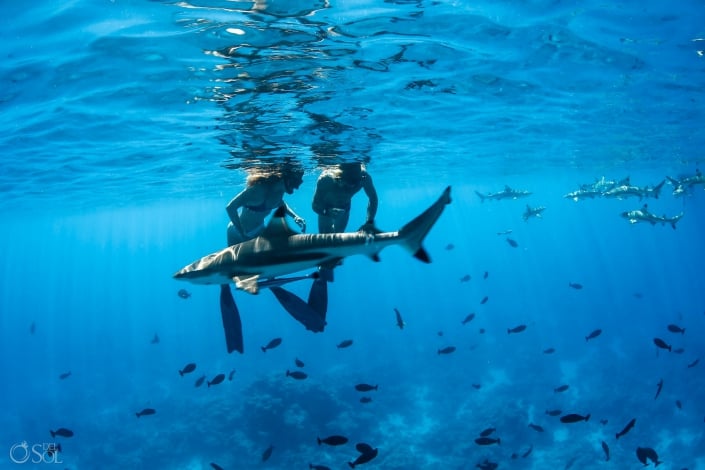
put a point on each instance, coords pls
(52, 449)
(366, 387)
(487, 432)
(606, 449)
(199, 381)
(485, 441)
(332, 440)
(364, 448)
(679, 405)
(63, 432)
(188, 368)
(363, 458)
(638, 295)
(272, 344)
(440, 333)
(450, 246)
(486, 275)
(231, 375)
(345, 344)
(662, 344)
(465, 278)
(317, 467)
(155, 340)
(299, 362)
(32, 328)
(512, 243)
(549, 351)
(267, 453)
(66, 375)
(690, 366)
(484, 300)
(216, 466)
(468, 319)
(575, 285)
(676, 329)
(516, 329)
(447, 350)
(217, 379)
(659, 386)
(487, 465)
(562, 388)
(183, 293)
(297, 374)
(365, 400)
(553, 412)
(603, 422)
(482, 331)
(400, 321)
(593, 335)
(146, 412)
(626, 429)
(527, 453)
(646, 453)
(536, 427)
(574, 418)
(476, 386)
(679, 351)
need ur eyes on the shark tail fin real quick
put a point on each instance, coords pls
(413, 233)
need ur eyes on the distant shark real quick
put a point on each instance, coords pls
(506, 193)
(280, 251)
(643, 215)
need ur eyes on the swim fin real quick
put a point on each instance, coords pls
(231, 320)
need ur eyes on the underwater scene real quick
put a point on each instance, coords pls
(317, 234)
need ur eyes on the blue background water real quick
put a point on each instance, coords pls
(127, 126)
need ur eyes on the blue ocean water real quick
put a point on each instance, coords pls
(127, 126)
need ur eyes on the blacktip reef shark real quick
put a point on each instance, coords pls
(643, 215)
(279, 251)
(506, 193)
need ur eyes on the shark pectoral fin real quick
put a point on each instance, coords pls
(248, 284)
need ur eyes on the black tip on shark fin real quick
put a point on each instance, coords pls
(280, 212)
(421, 255)
(375, 257)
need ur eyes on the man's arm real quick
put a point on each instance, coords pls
(371, 192)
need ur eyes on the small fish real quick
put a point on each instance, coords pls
(482, 331)
(364, 448)
(188, 368)
(487, 432)
(626, 429)
(216, 466)
(365, 400)
(272, 344)
(146, 412)
(200, 381)
(553, 412)
(345, 344)
(575, 285)
(676, 329)
(679, 351)
(231, 375)
(183, 293)
(536, 427)
(297, 374)
(561, 389)
(66, 375)
(400, 321)
(484, 300)
(299, 362)
(477, 386)
(606, 449)
(317, 467)
(267, 453)
(466, 278)
(645, 453)
(217, 379)
(447, 350)
(679, 405)
(638, 295)
(332, 440)
(450, 246)
(603, 422)
(659, 386)
(366, 387)
(549, 351)
(155, 339)
(486, 275)
(363, 458)
(505, 232)
(487, 465)
(662, 344)
(440, 333)
(468, 319)
(63, 432)
(486, 441)
(516, 329)
(527, 453)
(593, 335)
(574, 418)
(32, 328)
(512, 243)
(690, 366)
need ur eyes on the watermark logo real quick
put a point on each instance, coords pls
(46, 452)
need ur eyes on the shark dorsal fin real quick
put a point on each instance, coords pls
(277, 226)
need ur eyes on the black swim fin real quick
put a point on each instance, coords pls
(232, 325)
(300, 310)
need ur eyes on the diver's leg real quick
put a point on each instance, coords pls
(231, 320)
